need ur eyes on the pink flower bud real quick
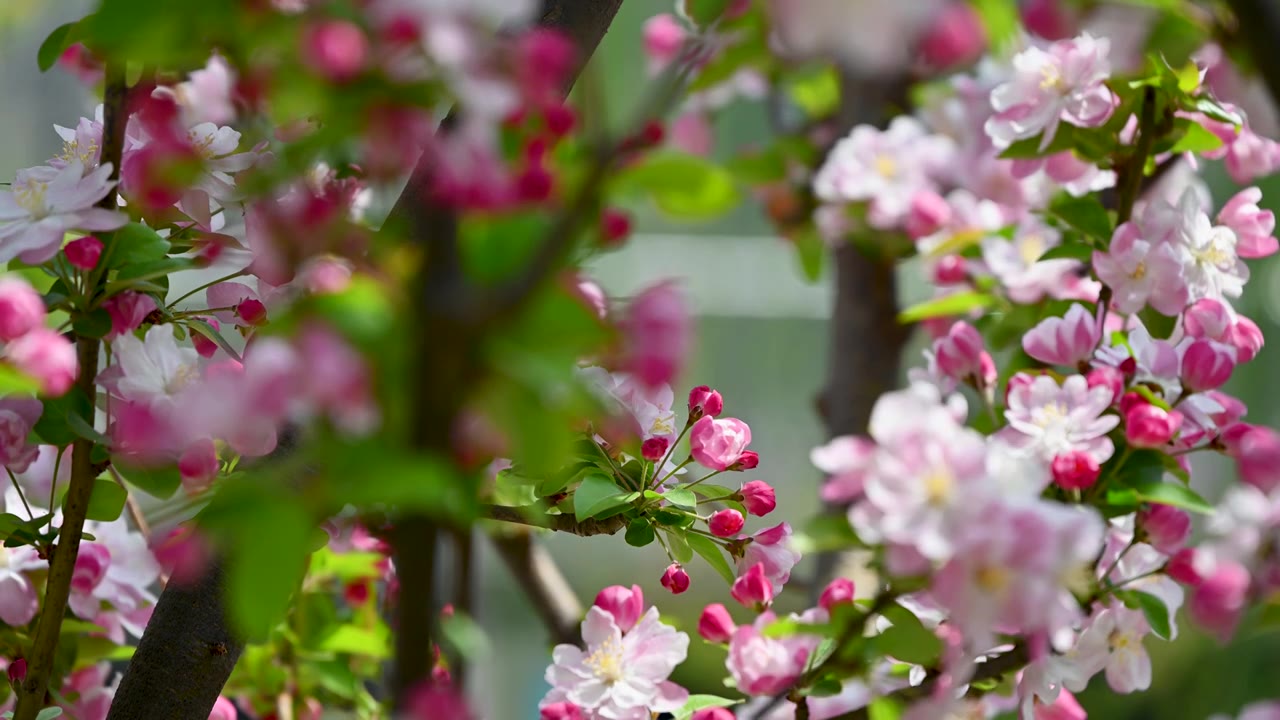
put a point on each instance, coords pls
(1256, 450)
(1068, 340)
(726, 523)
(950, 270)
(1075, 470)
(1050, 19)
(1182, 567)
(544, 60)
(206, 347)
(91, 566)
(692, 133)
(1107, 377)
(1207, 318)
(17, 670)
(1130, 400)
(559, 119)
(535, 183)
(21, 309)
(1065, 707)
(560, 711)
(719, 443)
(715, 625)
(1166, 527)
(1253, 226)
(657, 332)
(705, 401)
(356, 593)
(655, 448)
(198, 466)
(128, 311)
(626, 605)
(1207, 365)
(713, 713)
(335, 49)
(758, 497)
(84, 253)
(929, 213)
(48, 357)
(223, 709)
(838, 592)
(1245, 336)
(1147, 426)
(615, 227)
(252, 311)
(956, 37)
(663, 38)
(752, 588)
(1016, 381)
(675, 579)
(959, 352)
(1218, 601)
(749, 460)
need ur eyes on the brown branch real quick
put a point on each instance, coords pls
(546, 587)
(559, 523)
(62, 560)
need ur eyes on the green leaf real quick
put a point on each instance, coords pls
(107, 501)
(354, 640)
(95, 324)
(684, 186)
(712, 492)
(681, 497)
(884, 708)
(82, 428)
(1197, 140)
(9, 523)
(1215, 110)
(1175, 37)
(1159, 325)
(639, 533)
(1085, 214)
(49, 713)
(372, 474)
(812, 252)
(362, 313)
(704, 12)
(465, 635)
(999, 19)
(1070, 251)
(204, 328)
(1156, 611)
(908, 639)
(53, 46)
(711, 552)
(678, 543)
(346, 566)
(1175, 495)
(596, 494)
(825, 533)
(816, 92)
(699, 702)
(512, 490)
(269, 537)
(133, 244)
(53, 427)
(161, 482)
(15, 382)
(955, 304)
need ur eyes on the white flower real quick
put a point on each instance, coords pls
(46, 202)
(1112, 642)
(1210, 265)
(154, 369)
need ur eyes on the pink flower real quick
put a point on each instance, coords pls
(17, 671)
(1165, 527)
(675, 579)
(198, 466)
(626, 605)
(1050, 420)
(1253, 226)
(1051, 20)
(1110, 378)
(713, 713)
(655, 448)
(121, 574)
(771, 548)
(1207, 318)
(929, 213)
(1141, 271)
(1219, 600)
(837, 592)
(1148, 426)
(664, 35)
(758, 498)
(845, 460)
(18, 599)
(1245, 336)
(752, 588)
(692, 132)
(1065, 707)
(1248, 155)
(45, 203)
(1068, 340)
(705, 401)
(955, 38)
(1075, 470)
(84, 252)
(230, 295)
(1207, 252)
(91, 692)
(619, 675)
(718, 443)
(1113, 642)
(725, 523)
(128, 310)
(48, 357)
(1256, 450)
(21, 309)
(336, 380)
(615, 227)
(560, 711)
(656, 331)
(766, 666)
(959, 353)
(1065, 83)
(1207, 365)
(17, 416)
(715, 624)
(335, 49)
(183, 553)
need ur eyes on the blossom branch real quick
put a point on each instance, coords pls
(62, 560)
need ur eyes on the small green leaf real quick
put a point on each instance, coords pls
(999, 19)
(681, 497)
(1175, 495)
(1085, 214)
(161, 482)
(817, 92)
(53, 427)
(95, 324)
(884, 708)
(1197, 140)
(684, 186)
(955, 304)
(82, 428)
(699, 702)
(49, 713)
(15, 382)
(107, 501)
(207, 330)
(1069, 251)
(595, 495)
(639, 533)
(908, 639)
(678, 543)
(354, 640)
(711, 552)
(704, 12)
(1157, 613)
(1159, 325)
(269, 537)
(53, 46)
(9, 523)
(812, 252)
(134, 244)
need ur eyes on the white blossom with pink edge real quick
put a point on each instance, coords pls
(1048, 419)
(45, 203)
(620, 676)
(763, 665)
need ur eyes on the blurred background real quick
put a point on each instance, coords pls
(762, 341)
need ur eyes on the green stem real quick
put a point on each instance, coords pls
(671, 450)
(674, 470)
(207, 285)
(23, 497)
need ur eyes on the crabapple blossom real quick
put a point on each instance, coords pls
(151, 370)
(663, 38)
(758, 497)
(725, 523)
(1219, 599)
(128, 310)
(649, 408)
(845, 460)
(1048, 419)
(719, 443)
(1207, 365)
(1256, 450)
(1113, 642)
(83, 253)
(46, 356)
(1141, 271)
(1207, 252)
(713, 713)
(1075, 470)
(956, 37)
(21, 309)
(772, 549)
(619, 676)
(762, 665)
(1165, 527)
(715, 624)
(656, 331)
(752, 588)
(960, 352)
(626, 605)
(44, 203)
(705, 401)
(1148, 426)
(1254, 228)
(1017, 265)
(87, 694)
(1068, 340)
(837, 592)
(675, 579)
(17, 416)
(1063, 83)
(18, 598)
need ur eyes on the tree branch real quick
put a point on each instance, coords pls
(62, 560)
(559, 523)
(1258, 24)
(540, 578)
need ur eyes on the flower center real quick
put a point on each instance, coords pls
(938, 484)
(1119, 640)
(71, 152)
(183, 375)
(663, 425)
(886, 166)
(30, 196)
(606, 661)
(201, 145)
(1139, 272)
(1051, 80)
(1030, 248)
(992, 579)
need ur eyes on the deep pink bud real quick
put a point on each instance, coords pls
(1182, 567)
(252, 311)
(675, 579)
(17, 670)
(657, 330)
(1207, 318)
(713, 713)
(959, 352)
(1050, 19)
(335, 49)
(950, 270)
(128, 310)
(705, 401)
(725, 523)
(1075, 470)
(1218, 601)
(1065, 707)
(535, 183)
(1109, 378)
(198, 466)
(21, 309)
(545, 58)
(559, 119)
(84, 253)
(956, 37)
(560, 711)
(929, 212)
(1166, 527)
(749, 460)
(752, 588)
(715, 625)
(758, 497)
(206, 347)
(615, 227)
(1246, 337)
(838, 592)
(1130, 400)
(626, 605)
(1147, 426)
(46, 356)
(655, 448)
(356, 593)
(91, 566)
(664, 35)
(1207, 365)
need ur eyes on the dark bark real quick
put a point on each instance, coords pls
(1258, 24)
(184, 658)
